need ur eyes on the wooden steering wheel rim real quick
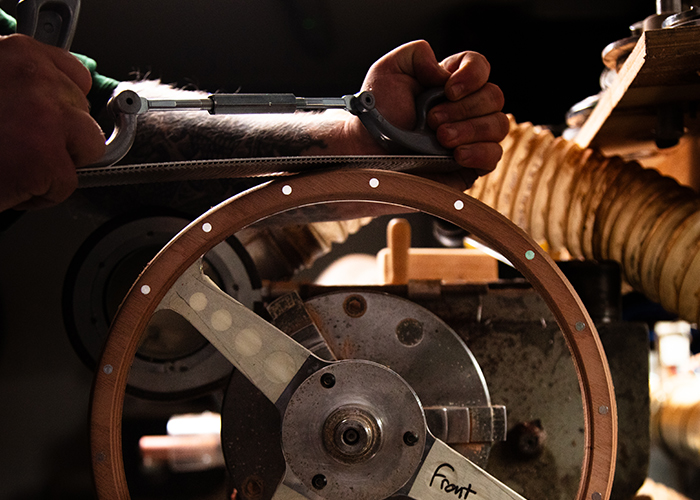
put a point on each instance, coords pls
(600, 414)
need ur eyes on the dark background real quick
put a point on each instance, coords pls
(545, 55)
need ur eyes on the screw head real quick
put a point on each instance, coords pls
(355, 306)
(409, 332)
(410, 438)
(319, 481)
(253, 487)
(327, 380)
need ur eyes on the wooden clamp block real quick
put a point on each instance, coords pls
(399, 263)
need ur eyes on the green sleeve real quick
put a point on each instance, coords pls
(102, 86)
(8, 25)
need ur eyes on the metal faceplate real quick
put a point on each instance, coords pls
(173, 360)
(365, 412)
(390, 331)
(417, 345)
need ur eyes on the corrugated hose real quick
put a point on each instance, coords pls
(589, 206)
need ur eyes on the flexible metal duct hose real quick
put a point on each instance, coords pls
(579, 202)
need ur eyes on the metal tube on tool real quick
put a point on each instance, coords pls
(240, 104)
(174, 104)
(252, 103)
(666, 6)
(271, 103)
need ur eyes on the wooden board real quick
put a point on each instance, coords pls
(663, 69)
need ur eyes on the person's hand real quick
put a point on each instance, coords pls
(46, 130)
(470, 122)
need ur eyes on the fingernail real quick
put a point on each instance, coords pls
(440, 117)
(449, 132)
(457, 91)
(463, 156)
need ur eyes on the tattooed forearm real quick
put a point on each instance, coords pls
(173, 136)
(193, 135)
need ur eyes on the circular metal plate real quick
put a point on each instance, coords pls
(410, 340)
(382, 394)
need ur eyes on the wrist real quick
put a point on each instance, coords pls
(343, 134)
(358, 140)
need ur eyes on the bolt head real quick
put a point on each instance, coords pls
(327, 380)
(355, 306)
(410, 438)
(319, 481)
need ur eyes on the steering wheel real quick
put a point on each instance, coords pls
(326, 395)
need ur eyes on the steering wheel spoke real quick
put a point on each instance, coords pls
(267, 357)
(445, 471)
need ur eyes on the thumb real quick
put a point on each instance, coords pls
(415, 60)
(418, 60)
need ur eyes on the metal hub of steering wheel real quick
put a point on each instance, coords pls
(353, 428)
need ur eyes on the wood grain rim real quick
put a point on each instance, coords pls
(600, 414)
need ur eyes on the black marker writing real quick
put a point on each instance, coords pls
(447, 486)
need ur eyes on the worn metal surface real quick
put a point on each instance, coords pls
(528, 368)
(378, 327)
(414, 343)
(364, 393)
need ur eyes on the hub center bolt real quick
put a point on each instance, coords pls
(351, 434)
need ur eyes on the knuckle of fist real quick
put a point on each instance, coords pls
(44, 115)
(496, 96)
(504, 124)
(22, 62)
(34, 181)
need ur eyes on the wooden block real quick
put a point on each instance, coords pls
(445, 264)
(663, 69)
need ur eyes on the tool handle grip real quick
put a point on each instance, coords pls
(400, 141)
(52, 22)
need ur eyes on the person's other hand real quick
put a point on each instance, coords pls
(46, 130)
(470, 122)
